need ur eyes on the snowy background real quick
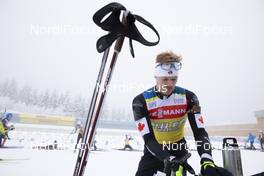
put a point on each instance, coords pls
(106, 161)
(48, 48)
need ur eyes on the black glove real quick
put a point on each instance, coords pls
(173, 164)
(208, 168)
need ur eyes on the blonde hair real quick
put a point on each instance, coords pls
(168, 56)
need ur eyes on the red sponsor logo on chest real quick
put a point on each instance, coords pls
(167, 112)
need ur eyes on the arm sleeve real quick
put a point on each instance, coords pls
(144, 126)
(197, 125)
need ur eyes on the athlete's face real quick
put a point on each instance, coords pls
(165, 85)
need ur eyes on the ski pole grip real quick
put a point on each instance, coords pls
(226, 142)
(120, 40)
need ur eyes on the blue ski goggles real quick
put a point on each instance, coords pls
(168, 66)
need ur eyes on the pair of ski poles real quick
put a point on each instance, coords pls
(108, 18)
(97, 103)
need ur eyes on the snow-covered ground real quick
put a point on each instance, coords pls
(27, 161)
(24, 162)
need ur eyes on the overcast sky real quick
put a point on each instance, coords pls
(51, 44)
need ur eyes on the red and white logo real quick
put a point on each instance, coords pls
(142, 126)
(168, 112)
(199, 120)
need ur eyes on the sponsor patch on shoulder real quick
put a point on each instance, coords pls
(142, 126)
(199, 120)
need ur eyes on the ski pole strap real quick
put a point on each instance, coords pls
(116, 29)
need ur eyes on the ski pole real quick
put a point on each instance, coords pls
(92, 119)
(117, 32)
(91, 109)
